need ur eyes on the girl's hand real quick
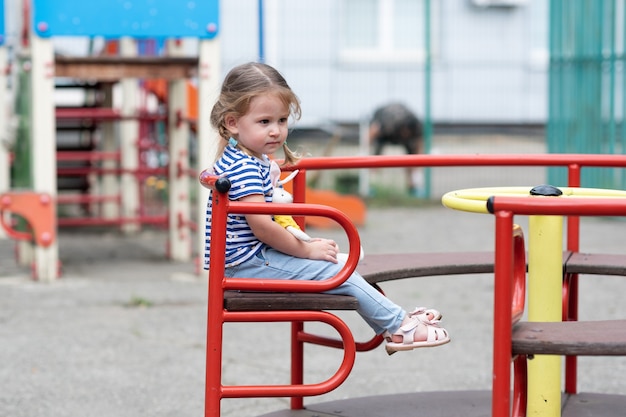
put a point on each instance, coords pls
(271, 233)
(323, 249)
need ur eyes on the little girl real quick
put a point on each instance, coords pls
(251, 116)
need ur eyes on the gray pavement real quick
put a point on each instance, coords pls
(123, 332)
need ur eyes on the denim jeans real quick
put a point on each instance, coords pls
(379, 312)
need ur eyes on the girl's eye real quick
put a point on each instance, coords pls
(264, 121)
(283, 120)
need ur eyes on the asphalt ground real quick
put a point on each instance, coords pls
(122, 333)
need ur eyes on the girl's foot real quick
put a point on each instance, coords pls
(420, 329)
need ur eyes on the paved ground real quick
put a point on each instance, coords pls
(122, 333)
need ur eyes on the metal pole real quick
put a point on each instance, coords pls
(261, 33)
(43, 150)
(209, 68)
(545, 268)
(129, 141)
(179, 199)
(427, 96)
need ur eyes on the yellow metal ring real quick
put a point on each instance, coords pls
(475, 199)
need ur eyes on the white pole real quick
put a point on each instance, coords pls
(208, 90)
(272, 35)
(129, 142)
(179, 204)
(364, 149)
(109, 184)
(43, 146)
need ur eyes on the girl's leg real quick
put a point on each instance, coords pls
(379, 312)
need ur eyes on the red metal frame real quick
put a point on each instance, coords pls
(508, 264)
(217, 315)
(573, 162)
(504, 209)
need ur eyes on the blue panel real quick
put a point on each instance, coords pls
(1, 22)
(134, 18)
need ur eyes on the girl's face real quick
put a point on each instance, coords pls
(263, 129)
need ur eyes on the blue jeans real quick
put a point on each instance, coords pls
(379, 312)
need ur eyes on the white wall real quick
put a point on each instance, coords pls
(487, 62)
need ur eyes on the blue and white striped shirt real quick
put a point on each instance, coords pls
(248, 175)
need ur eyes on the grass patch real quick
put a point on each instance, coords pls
(139, 302)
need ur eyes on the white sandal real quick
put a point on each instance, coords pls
(420, 313)
(423, 312)
(435, 336)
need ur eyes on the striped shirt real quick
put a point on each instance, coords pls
(248, 175)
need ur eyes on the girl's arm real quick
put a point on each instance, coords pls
(276, 236)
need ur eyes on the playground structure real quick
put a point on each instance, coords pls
(119, 160)
(106, 180)
(537, 386)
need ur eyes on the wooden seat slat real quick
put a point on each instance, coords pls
(274, 301)
(585, 338)
(598, 264)
(380, 268)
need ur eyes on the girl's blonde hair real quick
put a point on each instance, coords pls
(241, 85)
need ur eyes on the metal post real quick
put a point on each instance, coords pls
(179, 199)
(109, 184)
(545, 268)
(44, 166)
(129, 142)
(500, 402)
(208, 90)
(428, 127)
(261, 32)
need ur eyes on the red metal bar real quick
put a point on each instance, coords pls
(87, 156)
(399, 161)
(570, 206)
(374, 342)
(118, 221)
(297, 328)
(503, 271)
(296, 390)
(299, 194)
(215, 312)
(520, 382)
(80, 198)
(570, 283)
(255, 284)
(297, 363)
(103, 114)
(83, 171)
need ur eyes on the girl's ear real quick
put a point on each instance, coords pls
(230, 121)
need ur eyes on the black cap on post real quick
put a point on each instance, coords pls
(222, 185)
(546, 190)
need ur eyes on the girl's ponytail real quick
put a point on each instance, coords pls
(291, 157)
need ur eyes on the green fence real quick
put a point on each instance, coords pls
(587, 104)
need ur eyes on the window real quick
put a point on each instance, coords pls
(384, 30)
